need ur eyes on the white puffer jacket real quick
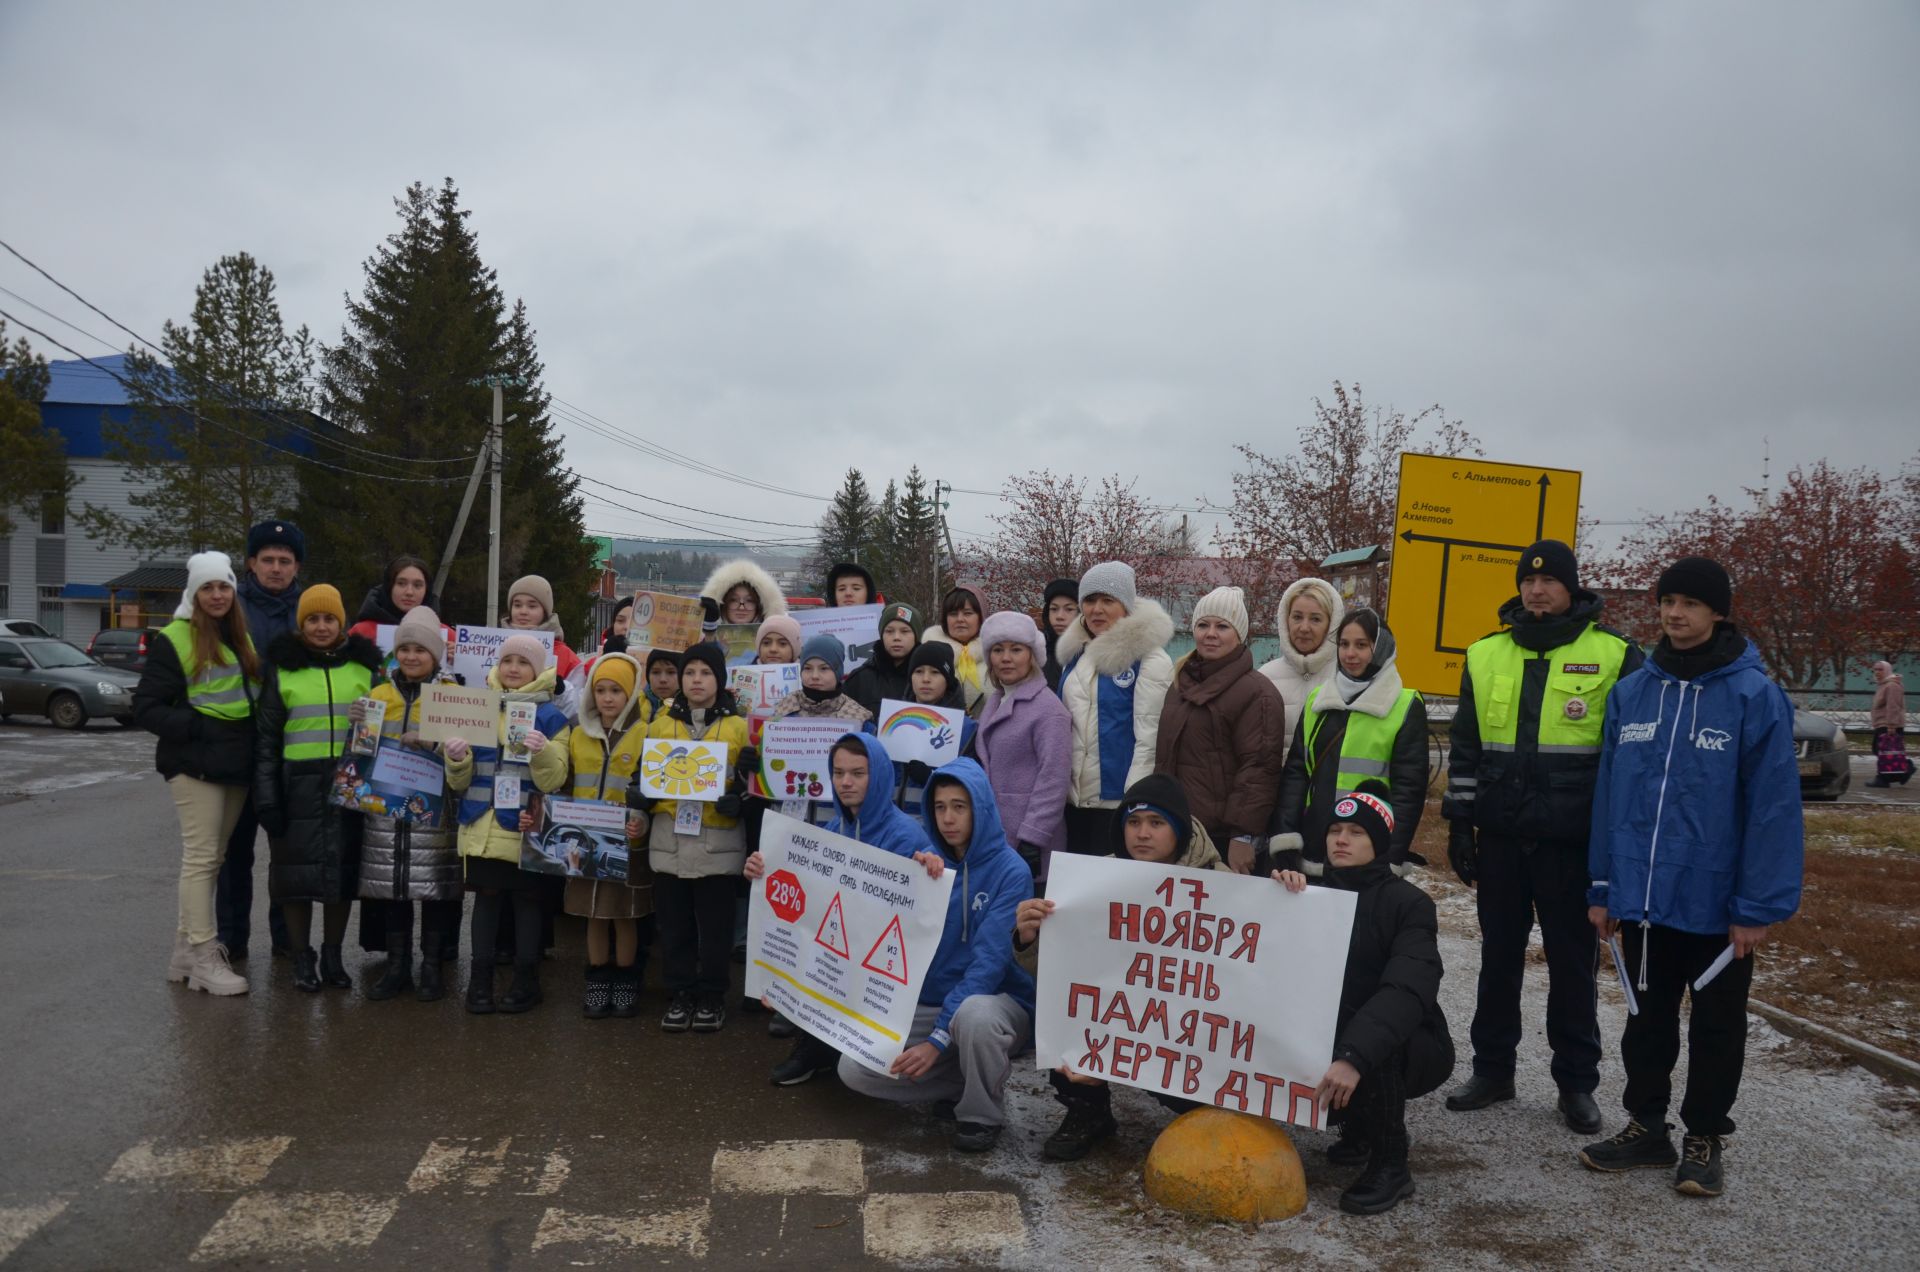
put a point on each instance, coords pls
(1296, 674)
(1140, 638)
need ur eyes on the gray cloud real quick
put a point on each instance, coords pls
(1631, 239)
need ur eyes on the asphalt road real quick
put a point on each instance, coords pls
(145, 1126)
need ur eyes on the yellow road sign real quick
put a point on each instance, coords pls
(1459, 528)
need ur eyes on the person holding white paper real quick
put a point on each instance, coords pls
(976, 1003)
(1391, 1043)
(494, 792)
(1697, 843)
(1155, 825)
(935, 684)
(696, 849)
(888, 674)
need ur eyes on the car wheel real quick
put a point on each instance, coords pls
(67, 712)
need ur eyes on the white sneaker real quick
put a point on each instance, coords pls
(181, 965)
(211, 973)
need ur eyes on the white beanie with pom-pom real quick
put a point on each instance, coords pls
(204, 568)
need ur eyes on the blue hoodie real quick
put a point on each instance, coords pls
(976, 946)
(877, 823)
(1696, 813)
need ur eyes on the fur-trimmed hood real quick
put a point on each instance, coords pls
(1307, 666)
(1145, 628)
(289, 653)
(730, 574)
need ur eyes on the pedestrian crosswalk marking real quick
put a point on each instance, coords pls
(788, 1167)
(682, 1229)
(222, 1165)
(461, 1162)
(17, 1223)
(943, 1226)
(265, 1225)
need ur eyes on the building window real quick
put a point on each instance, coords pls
(53, 513)
(53, 615)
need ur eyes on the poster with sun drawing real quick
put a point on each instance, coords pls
(675, 768)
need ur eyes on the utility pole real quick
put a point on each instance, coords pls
(946, 530)
(493, 515)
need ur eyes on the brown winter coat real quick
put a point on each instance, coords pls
(1223, 735)
(1889, 700)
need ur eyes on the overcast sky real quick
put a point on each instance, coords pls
(1632, 239)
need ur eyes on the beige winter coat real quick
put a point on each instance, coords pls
(1889, 699)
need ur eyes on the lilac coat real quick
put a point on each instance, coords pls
(1025, 742)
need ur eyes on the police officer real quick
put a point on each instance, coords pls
(1525, 754)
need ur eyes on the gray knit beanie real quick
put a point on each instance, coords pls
(1109, 578)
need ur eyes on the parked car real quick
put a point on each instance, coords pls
(22, 627)
(42, 676)
(1826, 766)
(123, 646)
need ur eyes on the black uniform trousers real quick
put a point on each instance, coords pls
(696, 933)
(1671, 961)
(233, 890)
(1521, 882)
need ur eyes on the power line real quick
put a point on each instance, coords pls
(613, 432)
(260, 441)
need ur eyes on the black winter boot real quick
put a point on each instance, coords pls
(1385, 1182)
(598, 1003)
(306, 971)
(432, 989)
(480, 985)
(524, 993)
(333, 972)
(1089, 1120)
(1351, 1148)
(399, 974)
(626, 992)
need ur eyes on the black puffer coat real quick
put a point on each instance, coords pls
(191, 742)
(315, 842)
(1390, 998)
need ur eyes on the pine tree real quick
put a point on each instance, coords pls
(216, 419)
(408, 379)
(847, 527)
(920, 567)
(883, 553)
(36, 468)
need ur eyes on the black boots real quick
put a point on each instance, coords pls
(1479, 1092)
(333, 973)
(1086, 1124)
(398, 978)
(480, 984)
(524, 993)
(432, 989)
(598, 1003)
(626, 992)
(1638, 1147)
(809, 1058)
(306, 971)
(1385, 1181)
(1351, 1148)
(1581, 1114)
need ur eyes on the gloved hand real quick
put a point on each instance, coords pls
(709, 613)
(638, 802)
(747, 762)
(727, 806)
(1463, 852)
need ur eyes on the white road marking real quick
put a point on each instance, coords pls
(17, 1223)
(288, 1224)
(54, 785)
(227, 1165)
(462, 1163)
(943, 1226)
(785, 1167)
(684, 1230)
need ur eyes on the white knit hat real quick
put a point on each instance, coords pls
(1109, 578)
(204, 568)
(1229, 603)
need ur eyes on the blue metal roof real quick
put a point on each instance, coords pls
(72, 382)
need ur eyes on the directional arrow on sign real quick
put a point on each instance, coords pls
(1446, 559)
(1540, 521)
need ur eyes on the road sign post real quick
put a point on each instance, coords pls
(1459, 528)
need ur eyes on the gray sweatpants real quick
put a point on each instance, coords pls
(988, 1031)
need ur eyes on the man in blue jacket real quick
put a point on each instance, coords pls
(976, 1003)
(1696, 852)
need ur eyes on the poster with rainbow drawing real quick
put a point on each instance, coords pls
(913, 731)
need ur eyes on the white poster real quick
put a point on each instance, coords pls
(913, 731)
(857, 626)
(1211, 986)
(476, 649)
(677, 769)
(839, 936)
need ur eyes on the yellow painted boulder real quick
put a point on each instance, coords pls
(1221, 1165)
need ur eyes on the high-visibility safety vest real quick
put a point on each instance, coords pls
(217, 689)
(317, 699)
(1573, 708)
(1366, 747)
